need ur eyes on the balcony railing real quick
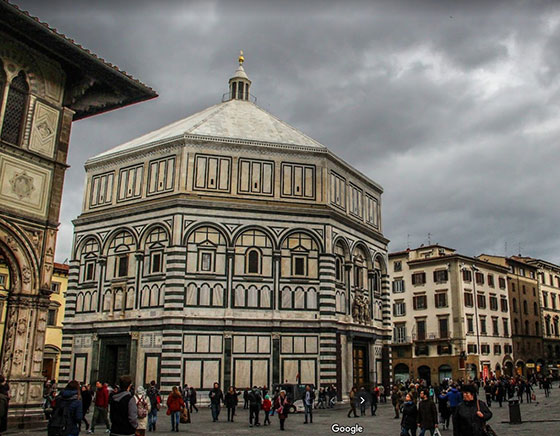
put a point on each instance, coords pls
(430, 336)
(402, 340)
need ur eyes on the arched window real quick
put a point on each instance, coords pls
(252, 262)
(14, 113)
(120, 249)
(537, 333)
(525, 309)
(515, 305)
(535, 309)
(516, 326)
(527, 328)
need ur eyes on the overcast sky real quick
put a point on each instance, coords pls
(453, 109)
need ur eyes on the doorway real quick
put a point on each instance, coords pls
(114, 359)
(425, 373)
(360, 365)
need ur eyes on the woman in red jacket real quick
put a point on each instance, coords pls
(175, 404)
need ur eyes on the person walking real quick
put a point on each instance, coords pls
(216, 398)
(471, 415)
(246, 398)
(175, 404)
(409, 417)
(255, 402)
(546, 387)
(322, 398)
(230, 402)
(362, 400)
(427, 414)
(454, 398)
(192, 400)
(488, 390)
(374, 400)
(100, 407)
(86, 403)
(382, 397)
(155, 404)
(67, 412)
(396, 401)
(143, 407)
(308, 401)
(282, 406)
(123, 411)
(352, 395)
(267, 407)
(528, 392)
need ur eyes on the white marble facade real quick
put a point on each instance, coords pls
(228, 247)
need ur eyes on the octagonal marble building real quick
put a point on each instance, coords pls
(228, 246)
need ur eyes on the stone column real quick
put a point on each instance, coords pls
(276, 258)
(26, 322)
(386, 367)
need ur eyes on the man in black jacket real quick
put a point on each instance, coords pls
(471, 415)
(216, 398)
(427, 414)
(123, 411)
(255, 401)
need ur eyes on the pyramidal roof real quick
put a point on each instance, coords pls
(235, 119)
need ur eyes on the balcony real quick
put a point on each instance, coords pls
(430, 336)
(402, 340)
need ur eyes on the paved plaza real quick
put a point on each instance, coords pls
(543, 417)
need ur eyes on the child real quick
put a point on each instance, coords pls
(266, 406)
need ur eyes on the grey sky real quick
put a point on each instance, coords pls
(452, 108)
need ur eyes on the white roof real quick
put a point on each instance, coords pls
(233, 119)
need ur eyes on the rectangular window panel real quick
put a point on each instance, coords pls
(307, 371)
(101, 189)
(151, 369)
(80, 367)
(260, 373)
(161, 175)
(338, 191)
(244, 176)
(256, 177)
(290, 370)
(212, 173)
(242, 373)
(267, 178)
(298, 181)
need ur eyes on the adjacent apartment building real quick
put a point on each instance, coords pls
(450, 315)
(525, 313)
(549, 286)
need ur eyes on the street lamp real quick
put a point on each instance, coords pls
(474, 270)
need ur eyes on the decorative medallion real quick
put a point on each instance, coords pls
(22, 326)
(22, 185)
(26, 275)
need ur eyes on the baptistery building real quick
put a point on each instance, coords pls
(228, 246)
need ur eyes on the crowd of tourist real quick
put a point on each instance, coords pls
(125, 410)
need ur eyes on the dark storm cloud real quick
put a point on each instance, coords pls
(451, 106)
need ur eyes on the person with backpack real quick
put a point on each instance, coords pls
(175, 404)
(67, 412)
(155, 404)
(143, 407)
(124, 413)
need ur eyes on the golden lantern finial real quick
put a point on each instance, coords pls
(241, 58)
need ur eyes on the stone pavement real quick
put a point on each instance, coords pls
(546, 409)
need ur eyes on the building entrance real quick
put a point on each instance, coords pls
(360, 365)
(114, 359)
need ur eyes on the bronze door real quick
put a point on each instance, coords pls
(360, 365)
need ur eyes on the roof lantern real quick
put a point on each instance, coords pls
(239, 84)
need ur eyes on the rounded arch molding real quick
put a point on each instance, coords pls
(316, 238)
(114, 233)
(87, 237)
(345, 245)
(195, 226)
(238, 232)
(145, 232)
